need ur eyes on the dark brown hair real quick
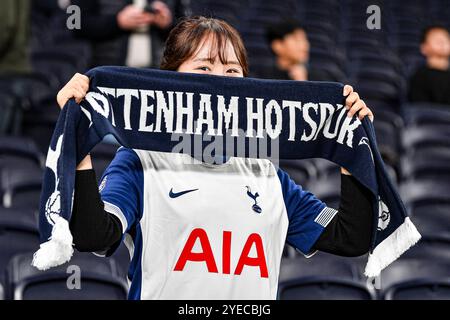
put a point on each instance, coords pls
(186, 37)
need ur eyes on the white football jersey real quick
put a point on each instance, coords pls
(202, 231)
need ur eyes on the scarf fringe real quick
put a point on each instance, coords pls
(391, 248)
(58, 249)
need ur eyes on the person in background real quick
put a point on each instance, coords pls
(289, 42)
(14, 36)
(431, 82)
(127, 32)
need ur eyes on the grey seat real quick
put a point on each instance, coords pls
(99, 279)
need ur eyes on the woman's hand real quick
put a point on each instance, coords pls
(77, 87)
(354, 104)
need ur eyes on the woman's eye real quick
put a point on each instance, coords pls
(233, 71)
(204, 68)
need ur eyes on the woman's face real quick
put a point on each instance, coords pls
(200, 61)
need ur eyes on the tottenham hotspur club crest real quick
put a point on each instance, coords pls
(384, 217)
(53, 204)
(255, 206)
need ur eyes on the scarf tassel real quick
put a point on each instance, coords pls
(58, 249)
(403, 238)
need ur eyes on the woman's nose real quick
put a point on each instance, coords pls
(218, 71)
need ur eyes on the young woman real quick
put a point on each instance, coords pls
(209, 231)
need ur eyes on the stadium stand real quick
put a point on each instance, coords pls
(310, 279)
(416, 279)
(100, 280)
(18, 234)
(428, 202)
(414, 140)
(102, 154)
(8, 122)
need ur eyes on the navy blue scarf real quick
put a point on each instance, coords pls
(155, 110)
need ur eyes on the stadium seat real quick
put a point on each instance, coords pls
(122, 259)
(310, 279)
(378, 105)
(58, 66)
(20, 175)
(429, 135)
(326, 71)
(32, 214)
(59, 53)
(15, 149)
(424, 151)
(320, 40)
(423, 167)
(416, 279)
(21, 188)
(363, 44)
(428, 202)
(432, 219)
(301, 171)
(227, 11)
(327, 185)
(388, 141)
(418, 114)
(433, 247)
(18, 233)
(379, 70)
(325, 168)
(324, 55)
(377, 90)
(99, 279)
(322, 28)
(102, 155)
(415, 193)
(31, 88)
(11, 113)
(79, 49)
(327, 189)
(39, 123)
(386, 114)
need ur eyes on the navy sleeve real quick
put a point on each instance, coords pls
(121, 188)
(308, 216)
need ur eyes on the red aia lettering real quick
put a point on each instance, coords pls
(226, 252)
(259, 261)
(207, 255)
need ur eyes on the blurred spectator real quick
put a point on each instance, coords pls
(289, 42)
(431, 83)
(127, 32)
(14, 35)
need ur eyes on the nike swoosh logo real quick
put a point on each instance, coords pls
(177, 194)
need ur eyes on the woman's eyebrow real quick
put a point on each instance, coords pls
(233, 62)
(203, 60)
(210, 60)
